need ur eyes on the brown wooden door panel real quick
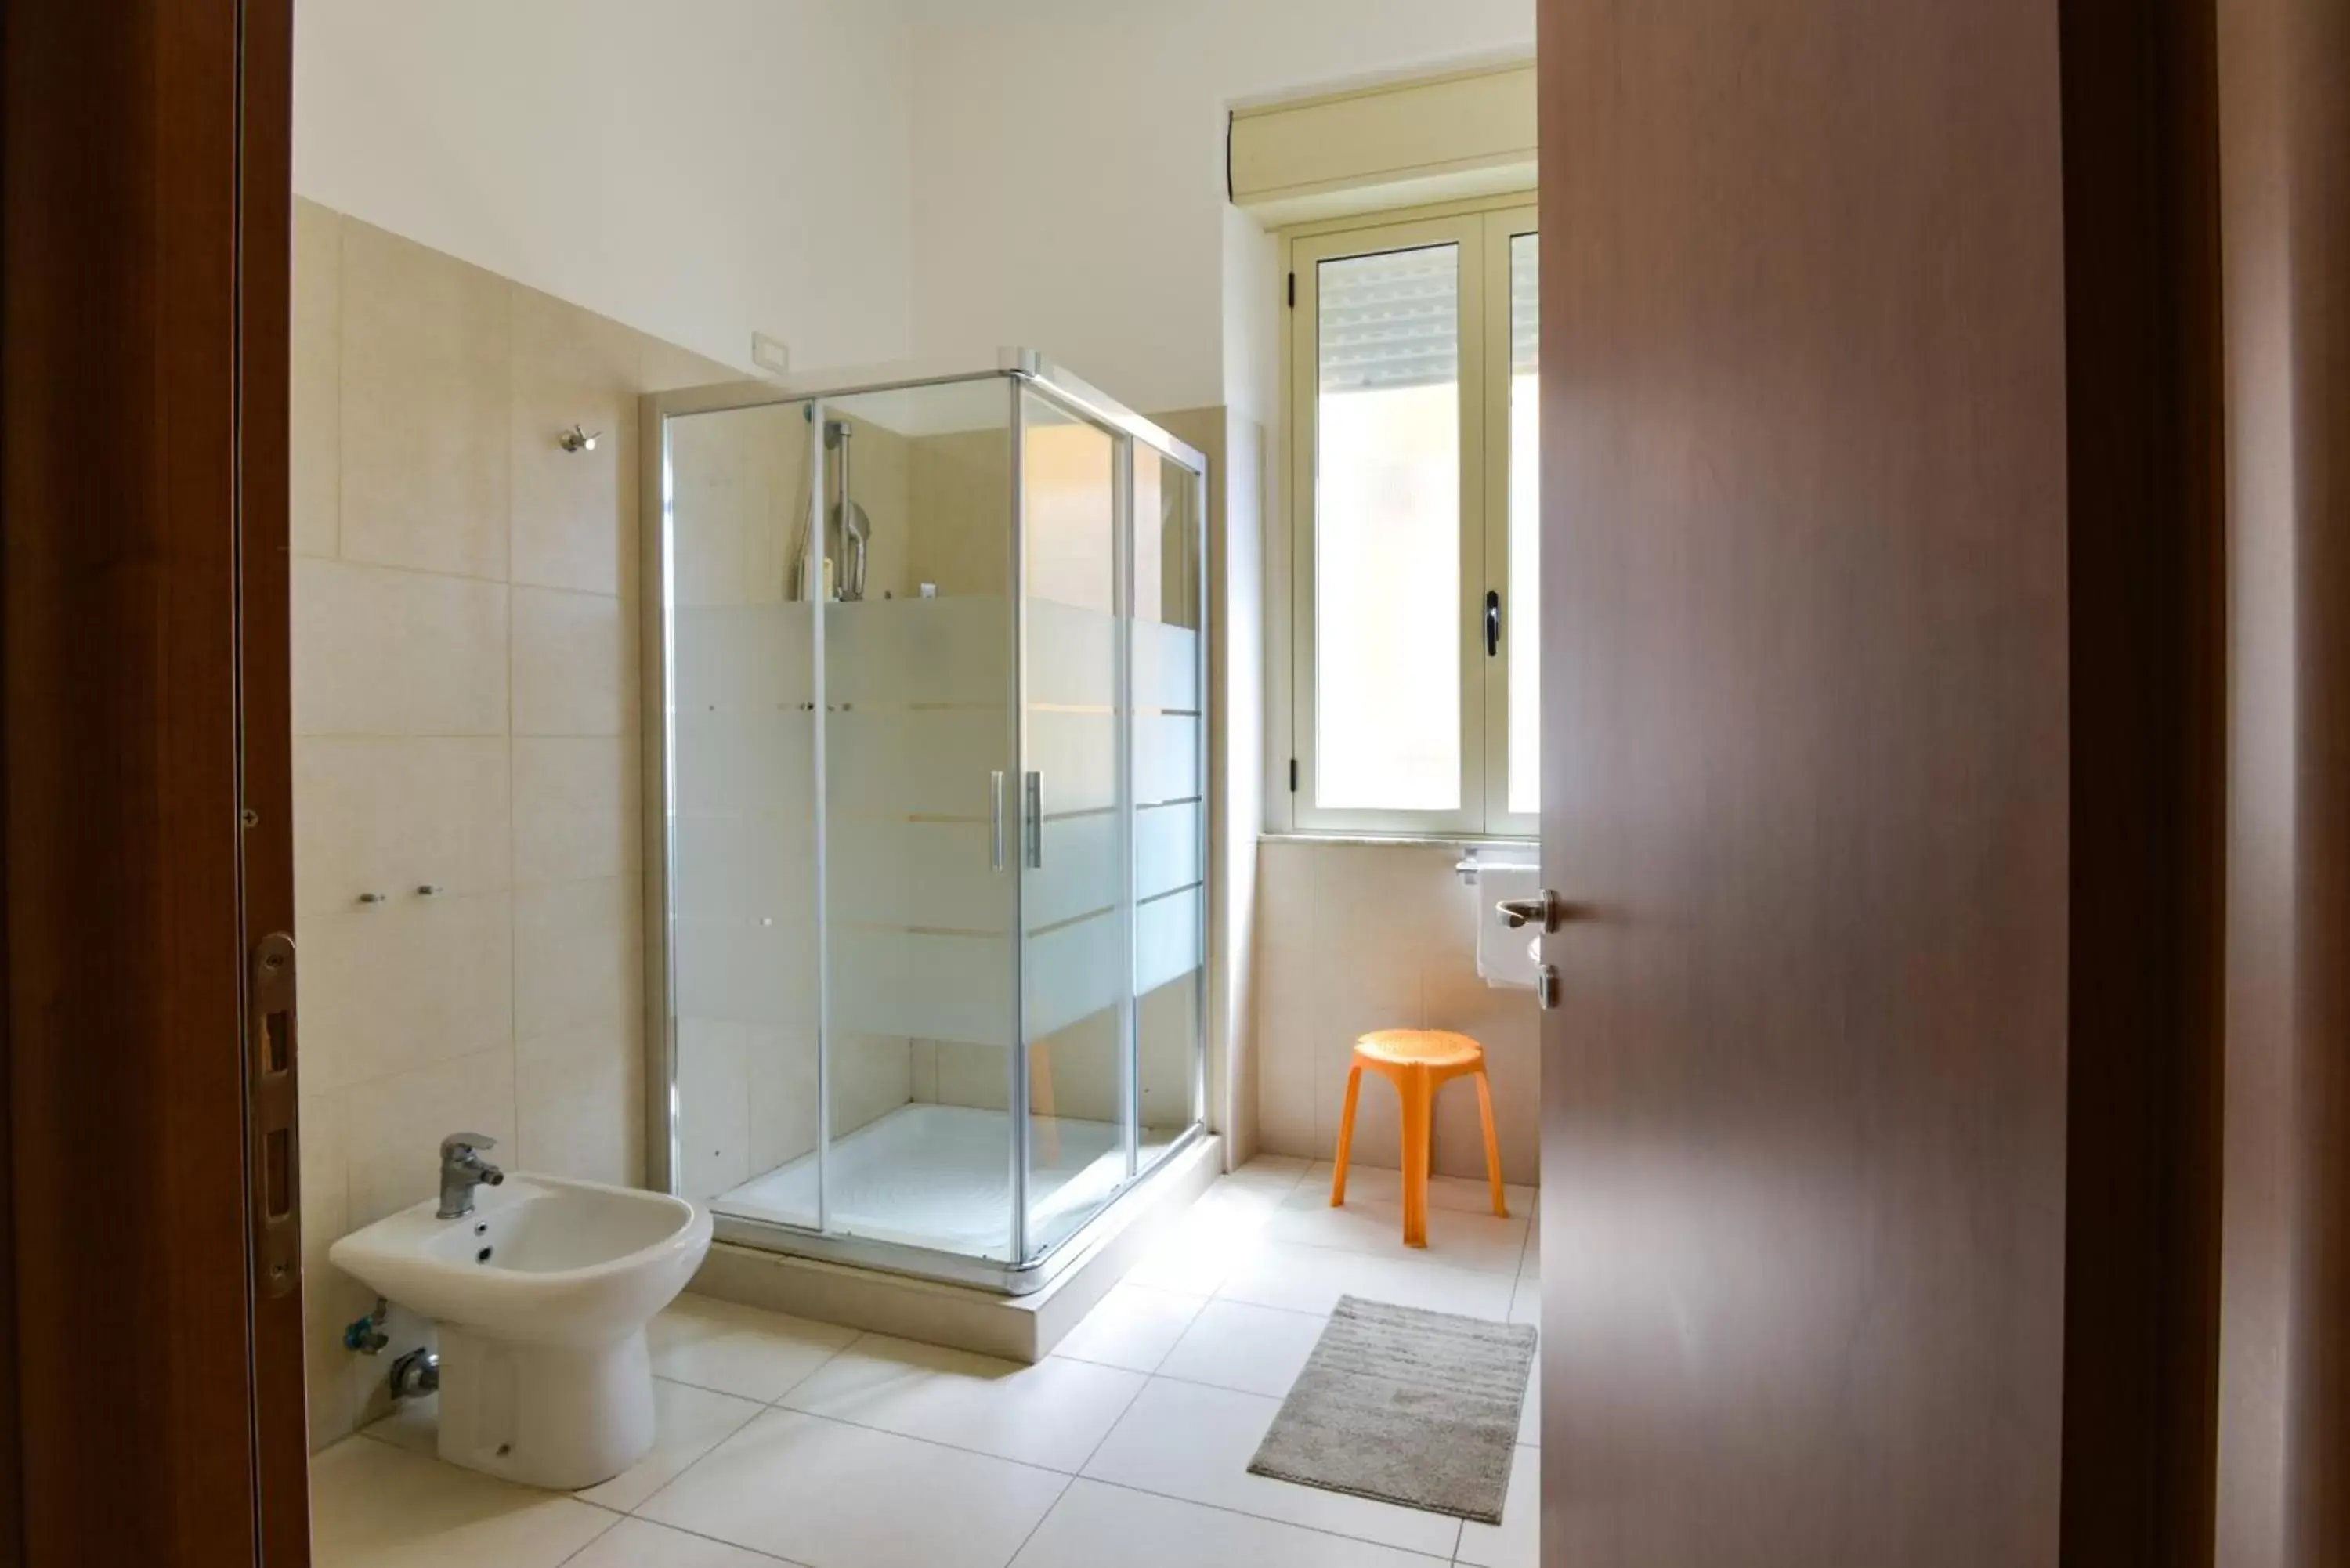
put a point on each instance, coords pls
(1806, 757)
(142, 462)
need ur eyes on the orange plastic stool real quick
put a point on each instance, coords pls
(1420, 1062)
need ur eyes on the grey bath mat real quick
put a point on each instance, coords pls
(1405, 1406)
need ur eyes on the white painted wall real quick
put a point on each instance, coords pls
(1069, 175)
(694, 167)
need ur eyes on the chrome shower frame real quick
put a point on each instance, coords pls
(1022, 370)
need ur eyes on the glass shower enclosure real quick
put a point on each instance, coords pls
(926, 722)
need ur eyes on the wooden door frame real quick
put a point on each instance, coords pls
(2146, 524)
(152, 1379)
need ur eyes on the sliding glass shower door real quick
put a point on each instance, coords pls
(920, 879)
(1076, 904)
(932, 991)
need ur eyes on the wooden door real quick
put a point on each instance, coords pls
(1870, 1120)
(149, 1303)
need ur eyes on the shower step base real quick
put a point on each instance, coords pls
(1018, 1328)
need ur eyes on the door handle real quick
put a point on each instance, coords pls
(1035, 791)
(1492, 622)
(1545, 909)
(996, 820)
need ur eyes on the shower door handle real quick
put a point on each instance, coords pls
(1035, 814)
(996, 820)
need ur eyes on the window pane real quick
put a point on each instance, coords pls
(1525, 524)
(1386, 530)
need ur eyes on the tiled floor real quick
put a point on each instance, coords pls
(794, 1442)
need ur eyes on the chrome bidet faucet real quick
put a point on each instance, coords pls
(463, 1169)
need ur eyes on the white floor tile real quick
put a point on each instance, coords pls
(1095, 1525)
(687, 1422)
(1254, 1349)
(639, 1544)
(1379, 1184)
(1205, 1247)
(1051, 1414)
(413, 1425)
(1530, 1413)
(1525, 1302)
(1311, 1279)
(835, 1496)
(1182, 1440)
(1456, 1237)
(737, 1349)
(1134, 1326)
(1516, 1542)
(373, 1505)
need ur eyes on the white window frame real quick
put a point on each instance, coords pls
(1482, 229)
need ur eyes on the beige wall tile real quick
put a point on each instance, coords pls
(575, 664)
(1400, 952)
(576, 808)
(331, 1298)
(418, 981)
(972, 1075)
(396, 1126)
(392, 815)
(869, 1080)
(382, 652)
(315, 377)
(452, 734)
(578, 956)
(579, 1103)
(424, 407)
(738, 503)
(574, 512)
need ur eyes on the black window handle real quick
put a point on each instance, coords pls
(1492, 622)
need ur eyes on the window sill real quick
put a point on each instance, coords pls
(1403, 840)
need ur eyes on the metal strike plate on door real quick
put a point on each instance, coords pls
(275, 1174)
(1547, 986)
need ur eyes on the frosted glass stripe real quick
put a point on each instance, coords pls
(1166, 757)
(1076, 754)
(1079, 875)
(930, 763)
(934, 874)
(1166, 939)
(742, 764)
(907, 984)
(1072, 972)
(1072, 656)
(900, 651)
(1165, 848)
(756, 974)
(1165, 665)
(745, 869)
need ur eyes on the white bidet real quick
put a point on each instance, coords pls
(541, 1295)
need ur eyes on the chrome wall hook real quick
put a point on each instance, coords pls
(576, 438)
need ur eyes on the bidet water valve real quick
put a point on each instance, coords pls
(417, 1375)
(365, 1335)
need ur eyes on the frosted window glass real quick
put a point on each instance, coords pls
(1386, 533)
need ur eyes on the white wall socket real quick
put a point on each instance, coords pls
(772, 355)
